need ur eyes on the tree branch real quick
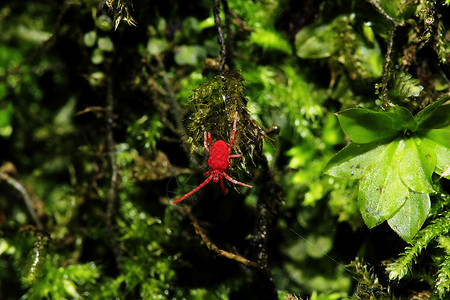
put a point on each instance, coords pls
(213, 247)
(230, 37)
(220, 36)
(18, 186)
(268, 205)
(386, 69)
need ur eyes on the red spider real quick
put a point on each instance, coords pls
(219, 156)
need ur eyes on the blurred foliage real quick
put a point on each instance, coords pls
(103, 105)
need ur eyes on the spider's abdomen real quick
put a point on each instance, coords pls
(218, 160)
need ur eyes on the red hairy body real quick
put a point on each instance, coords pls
(218, 160)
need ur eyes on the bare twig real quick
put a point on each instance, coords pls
(90, 109)
(213, 247)
(220, 36)
(25, 195)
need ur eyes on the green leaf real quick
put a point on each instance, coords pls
(404, 87)
(206, 23)
(397, 173)
(271, 39)
(362, 125)
(381, 191)
(190, 55)
(191, 27)
(398, 9)
(352, 161)
(402, 118)
(301, 155)
(89, 38)
(435, 115)
(411, 216)
(31, 34)
(446, 172)
(316, 41)
(157, 46)
(417, 166)
(440, 136)
(323, 242)
(370, 59)
(105, 44)
(97, 56)
(104, 23)
(442, 156)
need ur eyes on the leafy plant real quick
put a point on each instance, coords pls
(394, 155)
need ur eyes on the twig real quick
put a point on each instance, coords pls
(25, 195)
(241, 24)
(388, 55)
(220, 36)
(386, 68)
(230, 37)
(268, 205)
(213, 247)
(377, 5)
(112, 195)
(89, 110)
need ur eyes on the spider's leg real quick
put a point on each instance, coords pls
(235, 181)
(235, 155)
(194, 190)
(233, 132)
(209, 140)
(205, 144)
(224, 190)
